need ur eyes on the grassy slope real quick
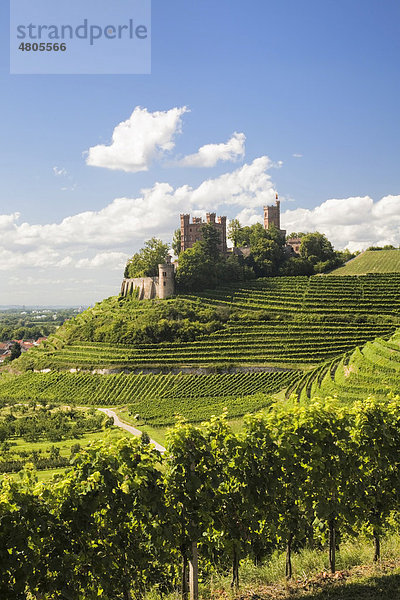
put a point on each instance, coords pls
(372, 261)
(357, 577)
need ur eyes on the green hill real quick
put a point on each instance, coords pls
(294, 322)
(372, 261)
(236, 347)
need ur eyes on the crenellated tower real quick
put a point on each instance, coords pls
(272, 216)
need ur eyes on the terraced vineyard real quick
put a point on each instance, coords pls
(372, 370)
(296, 323)
(156, 398)
(377, 293)
(372, 261)
(245, 343)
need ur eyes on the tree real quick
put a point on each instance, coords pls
(234, 231)
(145, 262)
(296, 234)
(210, 242)
(266, 256)
(296, 266)
(196, 271)
(15, 352)
(316, 247)
(176, 242)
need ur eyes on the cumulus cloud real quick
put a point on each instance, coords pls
(354, 223)
(119, 224)
(102, 240)
(210, 154)
(137, 141)
(110, 260)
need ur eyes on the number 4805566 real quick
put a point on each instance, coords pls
(42, 47)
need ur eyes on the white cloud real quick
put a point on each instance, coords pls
(60, 171)
(353, 223)
(210, 154)
(109, 260)
(125, 220)
(137, 141)
(102, 240)
(295, 155)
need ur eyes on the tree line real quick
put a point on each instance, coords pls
(124, 519)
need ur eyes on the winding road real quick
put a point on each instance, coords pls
(132, 430)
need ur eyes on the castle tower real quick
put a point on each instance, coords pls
(166, 279)
(222, 229)
(185, 219)
(272, 215)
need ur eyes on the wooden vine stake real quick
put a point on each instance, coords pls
(194, 563)
(194, 573)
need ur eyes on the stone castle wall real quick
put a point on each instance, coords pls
(148, 288)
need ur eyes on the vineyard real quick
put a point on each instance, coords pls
(156, 398)
(380, 261)
(242, 343)
(298, 327)
(372, 370)
(333, 295)
(126, 522)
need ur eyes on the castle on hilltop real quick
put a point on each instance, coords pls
(191, 232)
(163, 286)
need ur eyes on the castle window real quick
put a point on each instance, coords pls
(164, 274)
(165, 283)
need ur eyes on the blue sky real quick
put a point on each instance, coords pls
(312, 84)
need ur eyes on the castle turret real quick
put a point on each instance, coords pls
(166, 279)
(272, 216)
(210, 218)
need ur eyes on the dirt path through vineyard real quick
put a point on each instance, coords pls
(132, 430)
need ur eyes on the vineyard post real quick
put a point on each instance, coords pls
(184, 575)
(288, 568)
(332, 545)
(194, 560)
(194, 573)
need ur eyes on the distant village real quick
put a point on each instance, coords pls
(25, 345)
(24, 328)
